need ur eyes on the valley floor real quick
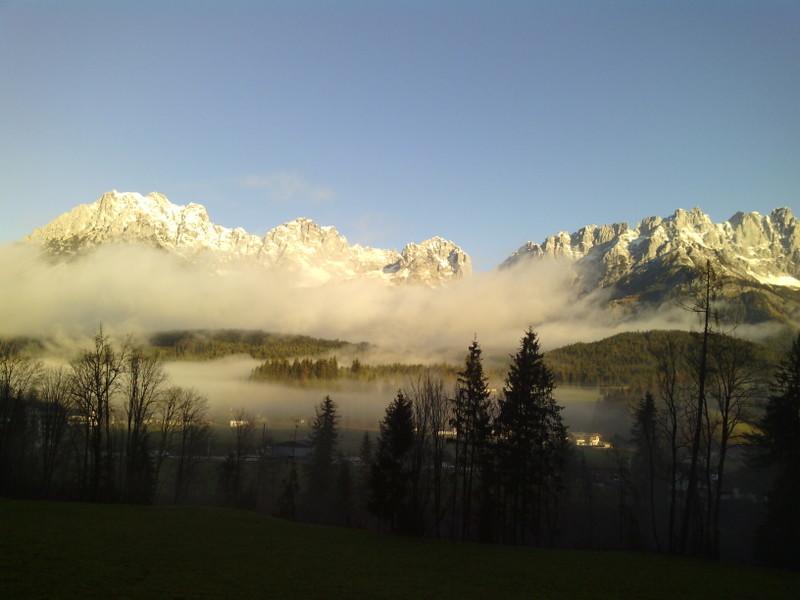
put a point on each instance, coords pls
(70, 550)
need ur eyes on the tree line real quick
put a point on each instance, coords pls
(466, 464)
(308, 370)
(98, 429)
(203, 344)
(103, 428)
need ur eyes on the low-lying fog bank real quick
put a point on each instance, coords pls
(139, 290)
(361, 404)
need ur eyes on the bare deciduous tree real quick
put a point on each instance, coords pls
(18, 374)
(704, 306)
(193, 431)
(668, 374)
(431, 417)
(166, 419)
(145, 378)
(735, 380)
(56, 397)
(97, 378)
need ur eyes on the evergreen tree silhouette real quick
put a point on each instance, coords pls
(531, 447)
(472, 423)
(778, 445)
(320, 469)
(390, 477)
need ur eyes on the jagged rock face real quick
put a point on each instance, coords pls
(432, 260)
(761, 248)
(317, 254)
(750, 251)
(129, 217)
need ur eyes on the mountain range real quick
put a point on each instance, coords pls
(314, 253)
(756, 260)
(756, 257)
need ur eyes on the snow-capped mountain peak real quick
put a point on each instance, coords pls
(314, 252)
(659, 256)
(775, 237)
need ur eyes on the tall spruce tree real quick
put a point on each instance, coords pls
(778, 443)
(472, 423)
(320, 469)
(365, 450)
(390, 477)
(287, 502)
(531, 447)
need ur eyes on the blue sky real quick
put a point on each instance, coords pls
(489, 123)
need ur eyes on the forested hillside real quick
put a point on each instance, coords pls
(631, 358)
(206, 344)
(307, 370)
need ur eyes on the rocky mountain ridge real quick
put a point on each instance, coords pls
(317, 253)
(756, 258)
(764, 248)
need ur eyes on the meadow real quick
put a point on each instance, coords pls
(71, 550)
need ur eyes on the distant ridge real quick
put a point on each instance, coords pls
(628, 359)
(317, 253)
(756, 257)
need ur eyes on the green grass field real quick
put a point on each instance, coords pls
(61, 550)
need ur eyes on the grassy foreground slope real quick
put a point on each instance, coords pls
(60, 550)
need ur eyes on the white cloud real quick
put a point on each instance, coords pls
(288, 185)
(140, 289)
